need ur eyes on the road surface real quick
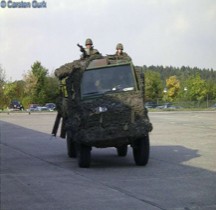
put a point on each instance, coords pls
(36, 173)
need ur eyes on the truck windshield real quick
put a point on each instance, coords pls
(107, 80)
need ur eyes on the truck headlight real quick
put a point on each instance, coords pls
(100, 109)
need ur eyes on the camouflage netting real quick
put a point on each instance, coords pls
(69, 68)
(125, 120)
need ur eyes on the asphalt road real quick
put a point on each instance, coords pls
(36, 173)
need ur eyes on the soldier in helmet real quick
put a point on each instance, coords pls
(89, 50)
(88, 54)
(68, 76)
(120, 55)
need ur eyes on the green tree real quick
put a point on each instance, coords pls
(2, 75)
(35, 80)
(13, 91)
(52, 89)
(211, 89)
(2, 86)
(196, 88)
(153, 85)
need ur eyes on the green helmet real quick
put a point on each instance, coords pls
(119, 46)
(88, 41)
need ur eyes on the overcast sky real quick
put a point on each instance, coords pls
(153, 32)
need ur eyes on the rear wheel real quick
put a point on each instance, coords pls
(71, 147)
(122, 150)
(84, 156)
(141, 151)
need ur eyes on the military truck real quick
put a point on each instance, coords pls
(103, 106)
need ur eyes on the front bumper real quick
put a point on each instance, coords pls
(113, 136)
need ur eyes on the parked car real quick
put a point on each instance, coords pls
(168, 106)
(150, 104)
(42, 108)
(213, 106)
(50, 106)
(33, 107)
(16, 105)
(39, 108)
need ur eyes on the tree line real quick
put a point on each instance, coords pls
(173, 84)
(36, 87)
(167, 84)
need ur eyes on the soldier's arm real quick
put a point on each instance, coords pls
(127, 57)
(96, 52)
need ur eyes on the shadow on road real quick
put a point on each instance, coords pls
(44, 146)
(37, 174)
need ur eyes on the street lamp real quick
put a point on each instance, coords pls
(165, 93)
(185, 94)
(165, 90)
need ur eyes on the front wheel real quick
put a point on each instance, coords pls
(141, 151)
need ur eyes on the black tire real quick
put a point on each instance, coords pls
(84, 157)
(122, 150)
(141, 151)
(71, 147)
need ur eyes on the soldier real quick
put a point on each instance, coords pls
(120, 55)
(89, 54)
(89, 50)
(69, 77)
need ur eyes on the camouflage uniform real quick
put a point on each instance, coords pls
(88, 51)
(122, 57)
(87, 56)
